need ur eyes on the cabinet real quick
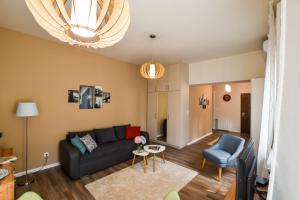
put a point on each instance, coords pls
(152, 128)
(174, 115)
(175, 84)
(7, 185)
(171, 81)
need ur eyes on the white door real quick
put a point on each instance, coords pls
(174, 125)
(152, 115)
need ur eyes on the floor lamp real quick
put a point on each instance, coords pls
(26, 110)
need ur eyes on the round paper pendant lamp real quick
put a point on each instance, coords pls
(152, 70)
(90, 23)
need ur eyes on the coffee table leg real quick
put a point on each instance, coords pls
(145, 165)
(146, 160)
(163, 156)
(133, 161)
(153, 162)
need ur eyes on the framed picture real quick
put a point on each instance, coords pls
(86, 97)
(106, 97)
(98, 102)
(98, 91)
(73, 96)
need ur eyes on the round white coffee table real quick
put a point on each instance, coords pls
(143, 154)
(155, 149)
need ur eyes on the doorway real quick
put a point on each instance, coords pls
(245, 112)
(162, 118)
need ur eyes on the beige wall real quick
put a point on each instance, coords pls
(239, 67)
(32, 69)
(229, 113)
(200, 120)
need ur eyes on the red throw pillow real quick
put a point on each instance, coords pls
(132, 132)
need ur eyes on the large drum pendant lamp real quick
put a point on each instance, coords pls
(90, 23)
(151, 69)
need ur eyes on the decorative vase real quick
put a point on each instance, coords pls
(140, 148)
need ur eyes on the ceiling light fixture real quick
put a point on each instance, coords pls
(91, 23)
(151, 69)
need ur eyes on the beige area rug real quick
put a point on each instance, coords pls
(132, 183)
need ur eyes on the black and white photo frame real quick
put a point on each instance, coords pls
(89, 97)
(73, 96)
(106, 97)
(86, 97)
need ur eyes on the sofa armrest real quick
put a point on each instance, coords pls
(69, 158)
(146, 135)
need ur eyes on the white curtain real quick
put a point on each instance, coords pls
(269, 99)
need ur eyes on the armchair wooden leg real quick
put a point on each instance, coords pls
(220, 174)
(203, 163)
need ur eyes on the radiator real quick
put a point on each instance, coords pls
(223, 124)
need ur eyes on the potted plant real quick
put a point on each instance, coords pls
(140, 141)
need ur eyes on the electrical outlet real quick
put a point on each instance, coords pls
(46, 155)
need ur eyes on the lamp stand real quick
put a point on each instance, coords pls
(25, 181)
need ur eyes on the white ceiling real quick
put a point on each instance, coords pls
(187, 30)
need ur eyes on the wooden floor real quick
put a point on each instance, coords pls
(53, 184)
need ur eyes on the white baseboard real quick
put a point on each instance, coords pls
(31, 171)
(200, 138)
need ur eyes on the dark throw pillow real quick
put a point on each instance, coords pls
(77, 143)
(80, 134)
(121, 131)
(89, 142)
(132, 132)
(105, 135)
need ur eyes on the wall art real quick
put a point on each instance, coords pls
(86, 97)
(73, 96)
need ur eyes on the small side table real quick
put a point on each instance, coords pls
(161, 150)
(143, 154)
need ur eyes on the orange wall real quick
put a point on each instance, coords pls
(33, 69)
(200, 119)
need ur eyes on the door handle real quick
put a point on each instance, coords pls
(243, 114)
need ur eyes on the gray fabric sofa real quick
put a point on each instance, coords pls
(112, 149)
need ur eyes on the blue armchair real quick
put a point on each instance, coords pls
(225, 152)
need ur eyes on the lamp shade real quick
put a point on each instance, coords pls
(151, 70)
(27, 109)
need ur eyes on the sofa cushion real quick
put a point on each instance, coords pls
(216, 155)
(105, 135)
(132, 132)
(77, 143)
(121, 131)
(89, 142)
(109, 149)
(80, 134)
